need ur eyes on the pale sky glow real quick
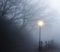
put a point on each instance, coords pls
(54, 4)
(51, 16)
(49, 11)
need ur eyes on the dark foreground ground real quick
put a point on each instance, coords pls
(13, 48)
(51, 50)
(48, 50)
(35, 50)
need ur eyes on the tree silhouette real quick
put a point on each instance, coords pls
(13, 12)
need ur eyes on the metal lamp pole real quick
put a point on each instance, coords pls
(39, 37)
(40, 24)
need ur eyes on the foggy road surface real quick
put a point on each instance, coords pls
(35, 50)
(56, 50)
(51, 51)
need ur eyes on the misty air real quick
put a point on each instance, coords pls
(30, 25)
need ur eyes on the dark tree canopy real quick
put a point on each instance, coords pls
(13, 12)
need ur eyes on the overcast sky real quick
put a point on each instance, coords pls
(51, 17)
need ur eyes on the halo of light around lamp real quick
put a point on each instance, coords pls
(40, 23)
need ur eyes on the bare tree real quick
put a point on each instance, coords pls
(17, 11)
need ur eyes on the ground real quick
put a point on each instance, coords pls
(51, 50)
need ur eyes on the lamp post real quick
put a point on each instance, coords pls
(40, 24)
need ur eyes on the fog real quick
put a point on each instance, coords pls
(19, 23)
(51, 17)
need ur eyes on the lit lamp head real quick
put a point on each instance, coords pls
(40, 23)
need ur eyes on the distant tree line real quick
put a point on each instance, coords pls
(48, 45)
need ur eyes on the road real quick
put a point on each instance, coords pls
(51, 51)
(55, 50)
(28, 50)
